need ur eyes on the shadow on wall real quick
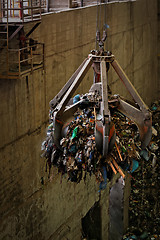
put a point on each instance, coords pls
(91, 223)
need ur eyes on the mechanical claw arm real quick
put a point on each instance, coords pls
(139, 113)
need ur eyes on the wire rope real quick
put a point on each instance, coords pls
(100, 14)
(98, 19)
(105, 15)
(97, 27)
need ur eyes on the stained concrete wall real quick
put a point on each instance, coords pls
(132, 38)
(28, 209)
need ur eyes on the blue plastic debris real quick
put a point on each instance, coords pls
(73, 148)
(154, 108)
(106, 26)
(135, 165)
(76, 98)
(103, 184)
(133, 237)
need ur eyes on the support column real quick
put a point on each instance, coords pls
(70, 3)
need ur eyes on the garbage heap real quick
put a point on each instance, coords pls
(78, 155)
(144, 213)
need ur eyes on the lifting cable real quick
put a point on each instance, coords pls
(98, 19)
(97, 27)
(105, 15)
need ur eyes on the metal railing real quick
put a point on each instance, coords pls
(21, 10)
(64, 4)
(22, 61)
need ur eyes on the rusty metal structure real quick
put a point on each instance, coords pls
(27, 55)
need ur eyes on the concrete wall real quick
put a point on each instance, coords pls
(132, 38)
(28, 209)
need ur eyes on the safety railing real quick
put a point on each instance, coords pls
(21, 10)
(22, 61)
(57, 5)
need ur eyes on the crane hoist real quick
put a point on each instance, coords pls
(104, 129)
(63, 107)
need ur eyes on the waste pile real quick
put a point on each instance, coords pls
(78, 154)
(144, 211)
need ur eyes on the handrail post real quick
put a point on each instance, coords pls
(40, 8)
(43, 55)
(13, 7)
(28, 7)
(70, 3)
(21, 11)
(10, 8)
(19, 60)
(3, 9)
(31, 60)
(7, 41)
(31, 11)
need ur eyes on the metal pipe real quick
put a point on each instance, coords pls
(111, 165)
(24, 8)
(31, 60)
(47, 5)
(13, 6)
(118, 168)
(7, 41)
(43, 55)
(31, 11)
(118, 152)
(19, 59)
(40, 8)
